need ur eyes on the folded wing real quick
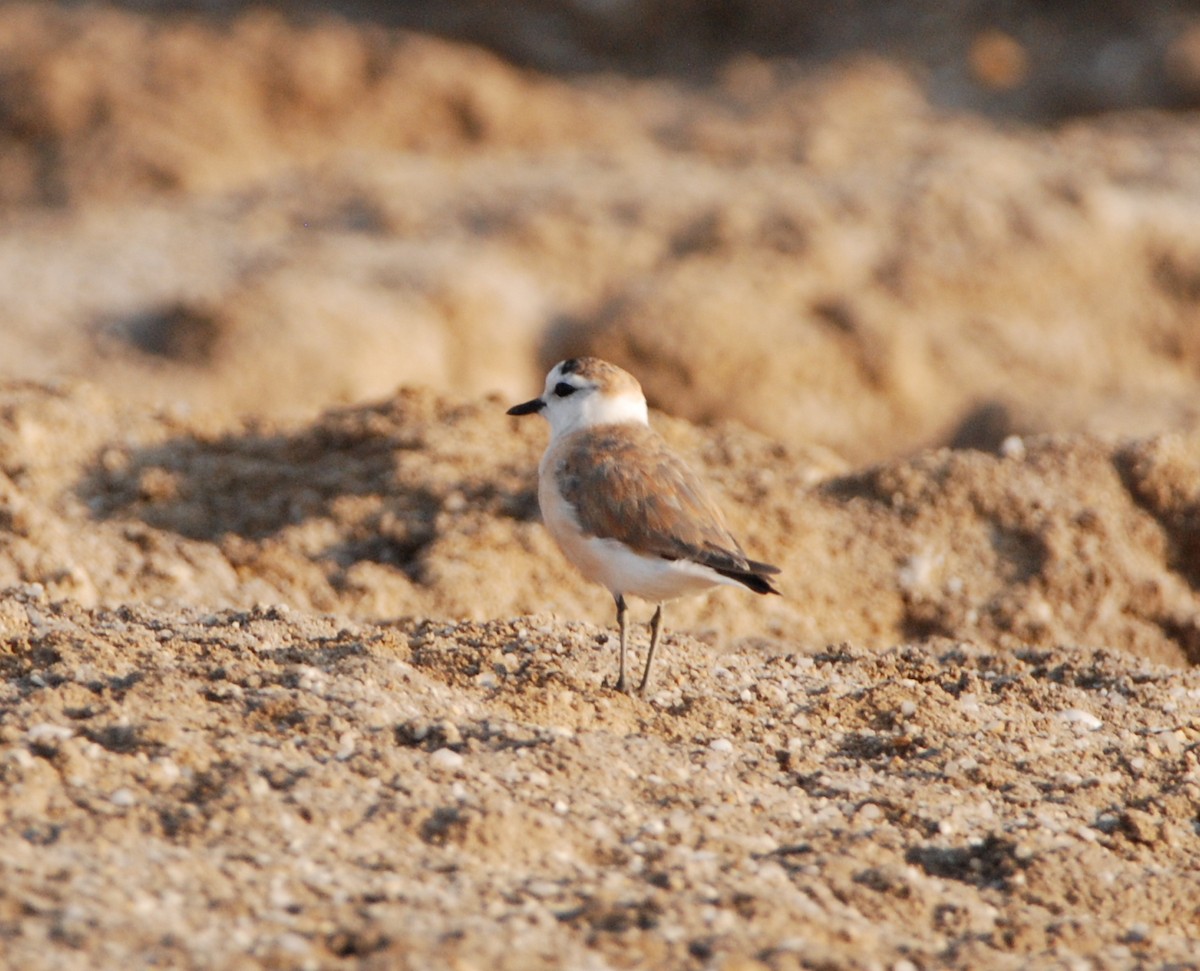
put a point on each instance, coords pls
(625, 484)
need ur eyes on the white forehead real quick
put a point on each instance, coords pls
(557, 374)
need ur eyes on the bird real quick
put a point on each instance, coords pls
(625, 510)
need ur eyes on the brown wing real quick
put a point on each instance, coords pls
(625, 484)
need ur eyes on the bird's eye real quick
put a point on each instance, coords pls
(563, 390)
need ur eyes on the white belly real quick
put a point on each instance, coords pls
(613, 564)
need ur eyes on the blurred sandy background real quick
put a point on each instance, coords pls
(874, 230)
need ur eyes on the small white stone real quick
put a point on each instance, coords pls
(46, 732)
(1013, 447)
(721, 745)
(291, 943)
(123, 797)
(168, 771)
(916, 573)
(446, 758)
(1077, 716)
(346, 745)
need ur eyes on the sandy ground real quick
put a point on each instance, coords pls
(294, 677)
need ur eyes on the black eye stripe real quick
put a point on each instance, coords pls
(562, 389)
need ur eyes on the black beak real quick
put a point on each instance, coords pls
(528, 408)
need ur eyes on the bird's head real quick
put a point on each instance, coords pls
(584, 391)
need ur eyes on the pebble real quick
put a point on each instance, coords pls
(721, 745)
(1077, 716)
(446, 758)
(959, 766)
(1013, 447)
(20, 757)
(47, 732)
(543, 889)
(291, 943)
(123, 797)
(347, 742)
(917, 572)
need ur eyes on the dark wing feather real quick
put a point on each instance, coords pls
(660, 508)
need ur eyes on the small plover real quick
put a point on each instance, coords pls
(624, 508)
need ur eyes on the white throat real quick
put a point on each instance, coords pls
(595, 409)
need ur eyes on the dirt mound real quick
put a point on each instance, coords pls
(99, 103)
(938, 283)
(423, 506)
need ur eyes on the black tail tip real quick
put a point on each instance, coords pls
(752, 581)
(764, 586)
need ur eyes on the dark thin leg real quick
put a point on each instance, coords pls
(621, 685)
(655, 621)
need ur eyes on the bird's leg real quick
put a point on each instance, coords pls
(655, 621)
(621, 685)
